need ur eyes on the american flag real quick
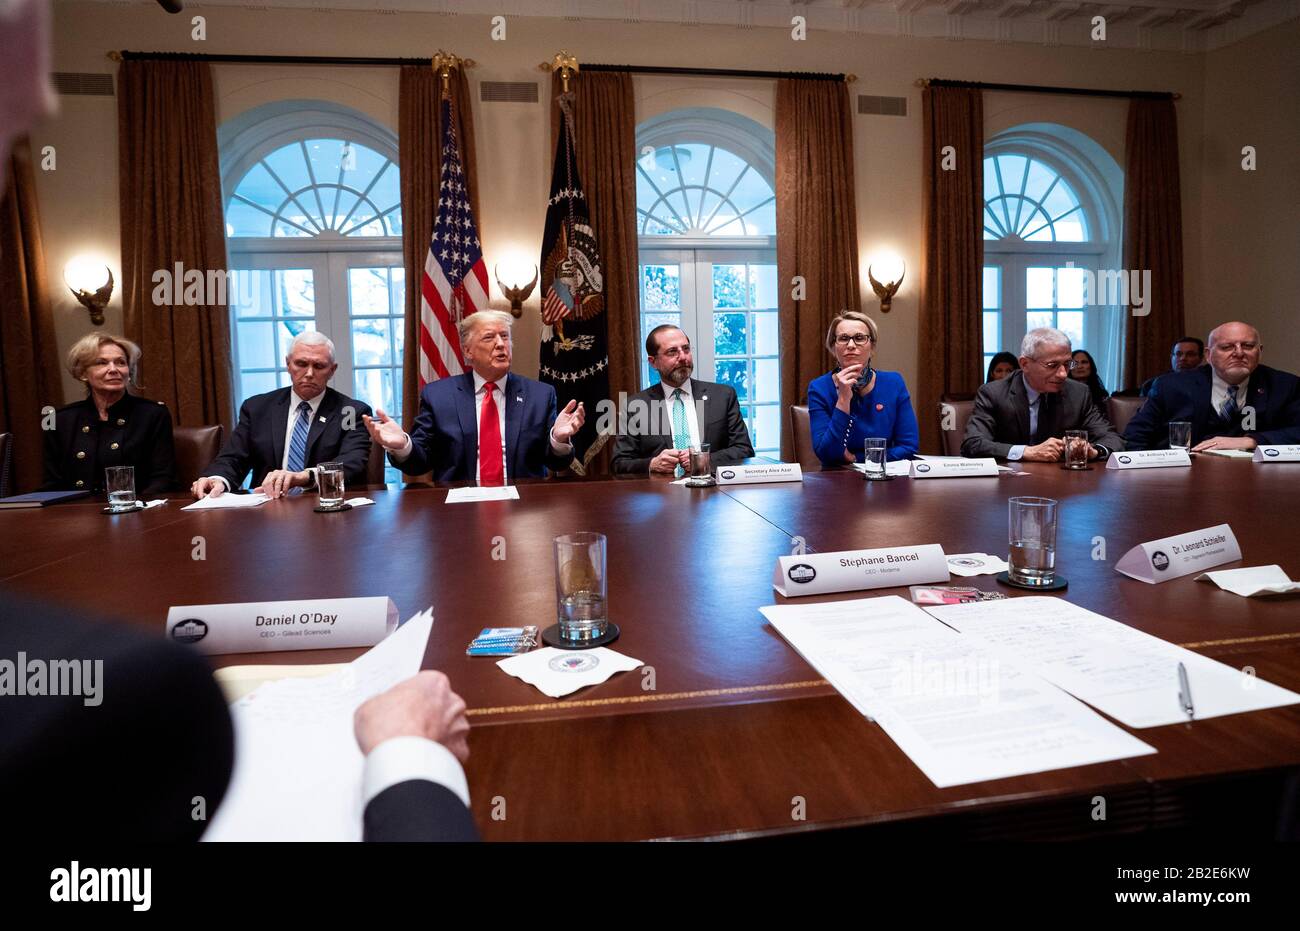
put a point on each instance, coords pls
(454, 283)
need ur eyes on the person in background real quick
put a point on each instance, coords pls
(1085, 370)
(1187, 355)
(855, 401)
(1000, 366)
(111, 426)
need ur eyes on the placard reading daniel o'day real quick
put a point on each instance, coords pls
(258, 626)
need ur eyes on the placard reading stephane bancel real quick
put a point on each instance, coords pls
(855, 570)
(259, 626)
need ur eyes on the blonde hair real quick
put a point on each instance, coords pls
(471, 323)
(84, 351)
(856, 316)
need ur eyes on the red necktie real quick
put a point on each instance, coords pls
(490, 471)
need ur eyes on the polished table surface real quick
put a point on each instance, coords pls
(733, 725)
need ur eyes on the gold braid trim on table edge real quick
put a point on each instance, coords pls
(1263, 638)
(561, 705)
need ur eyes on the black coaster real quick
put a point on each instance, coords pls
(1066, 468)
(1057, 584)
(884, 478)
(551, 637)
(711, 483)
(342, 507)
(133, 510)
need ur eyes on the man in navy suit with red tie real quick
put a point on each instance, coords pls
(487, 425)
(1232, 403)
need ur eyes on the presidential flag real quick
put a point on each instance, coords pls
(575, 346)
(454, 283)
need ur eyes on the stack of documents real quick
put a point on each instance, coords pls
(228, 501)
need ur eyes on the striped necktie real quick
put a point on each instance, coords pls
(298, 442)
(681, 430)
(1229, 409)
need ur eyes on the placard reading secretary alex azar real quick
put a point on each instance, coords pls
(486, 425)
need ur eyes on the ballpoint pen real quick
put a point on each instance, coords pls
(1185, 692)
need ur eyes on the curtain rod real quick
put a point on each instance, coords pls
(715, 72)
(125, 55)
(1041, 89)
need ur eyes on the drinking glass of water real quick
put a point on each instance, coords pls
(1033, 541)
(1180, 434)
(329, 481)
(1076, 449)
(701, 471)
(875, 457)
(580, 586)
(120, 483)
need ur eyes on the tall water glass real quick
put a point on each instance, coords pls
(1032, 525)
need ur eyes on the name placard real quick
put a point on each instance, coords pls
(271, 626)
(954, 468)
(753, 474)
(1172, 557)
(1149, 459)
(1277, 454)
(855, 570)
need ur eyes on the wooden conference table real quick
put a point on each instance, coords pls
(735, 727)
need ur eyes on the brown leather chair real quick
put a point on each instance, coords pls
(375, 464)
(801, 430)
(195, 448)
(6, 464)
(1119, 411)
(951, 439)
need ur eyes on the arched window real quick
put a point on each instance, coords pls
(706, 212)
(313, 229)
(1051, 233)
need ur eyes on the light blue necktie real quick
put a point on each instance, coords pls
(681, 432)
(298, 442)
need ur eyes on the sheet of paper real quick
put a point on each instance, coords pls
(1130, 675)
(1228, 453)
(238, 681)
(483, 493)
(559, 672)
(228, 501)
(961, 713)
(1252, 581)
(297, 764)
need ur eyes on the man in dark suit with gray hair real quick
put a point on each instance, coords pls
(1024, 416)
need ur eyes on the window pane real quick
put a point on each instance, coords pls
(991, 340)
(1036, 318)
(398, 291)
(1037, 228)
(1069, 287)
(767, 380)
(288, 164)
(1060, 199)
(251, 383)
(763, 282)
(368, 291)
(765, 334)
(256, 345)
(1013, 173)
(1070, 229)
(243, 220)
(1071, 323)
(375, 387)
(762, 221)
(370, 343)
(729, 334)
(988, 359)
(326, 157)
(733, 372)
(730, 286)
(1040, 178)
(286, 332)
(1038, 287)
(727, 166)
(296, 295)
(260, 188)
(766, 433)
(662, 284)
(992, 295)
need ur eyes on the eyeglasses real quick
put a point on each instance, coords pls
(676, 352)
(856, 339)
(1233, 347)
(1068, 364)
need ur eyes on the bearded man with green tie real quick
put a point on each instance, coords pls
(661, 425)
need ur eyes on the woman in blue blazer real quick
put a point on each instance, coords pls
(855, 401)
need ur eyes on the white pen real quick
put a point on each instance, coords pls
(1185, 692)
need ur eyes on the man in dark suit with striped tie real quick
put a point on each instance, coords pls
(283, 434)
(1232, 403)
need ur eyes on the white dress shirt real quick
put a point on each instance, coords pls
(290, 422)
(400, 759)
(480, 397)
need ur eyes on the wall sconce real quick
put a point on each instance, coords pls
(91, 283)
(518, 294)
(892, 268)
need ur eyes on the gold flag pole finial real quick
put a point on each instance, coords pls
(566, 64)
(442, 63)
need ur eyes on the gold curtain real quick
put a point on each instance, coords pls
(1153, 235)
(169, 185)
(816, 230)
(419, 142)
(952, 201)
(29, 366)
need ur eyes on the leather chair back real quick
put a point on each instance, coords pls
(195, 447)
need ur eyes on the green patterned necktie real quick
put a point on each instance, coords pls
(681, 432)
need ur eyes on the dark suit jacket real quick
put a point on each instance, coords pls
(1274, 395)
(418, 810)
(721, 426)
(444, 440)
(138, 433)
(127, 769)
(257, 443)
(1000, 419)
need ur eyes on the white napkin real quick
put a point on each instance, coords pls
(359, 502)
(1252, 581)
(969, 564)
(559, 672)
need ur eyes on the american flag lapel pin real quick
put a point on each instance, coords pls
(519, 398)
(322, 420)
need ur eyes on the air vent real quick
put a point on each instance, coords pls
(882, 106)
(75, 83)
(508, 92)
